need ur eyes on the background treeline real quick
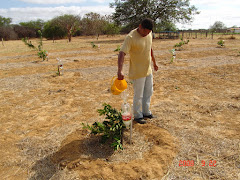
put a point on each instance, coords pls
(68, 26)
(59, 27)
(127, 15)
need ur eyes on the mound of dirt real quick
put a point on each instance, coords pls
(149, 156)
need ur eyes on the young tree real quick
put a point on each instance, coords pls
(93, 24)
(218, 25)
(70, 23)
(110, 28)
(165, 26)
(129, 13)
(53, 31)
(5, 29)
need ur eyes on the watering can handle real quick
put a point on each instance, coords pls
(112, 79)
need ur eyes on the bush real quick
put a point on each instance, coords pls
(22, 32)
(53, 31)
(4, 33)
(221, 43)
(110, 130)
(111, 29)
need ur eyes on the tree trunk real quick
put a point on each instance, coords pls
(69, 37)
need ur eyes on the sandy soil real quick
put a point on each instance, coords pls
(196, 100)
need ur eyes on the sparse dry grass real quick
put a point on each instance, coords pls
(196, 101)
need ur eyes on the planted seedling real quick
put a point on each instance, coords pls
(110, 129)
(179, 46)
(172, 51)
(93, 45)
(60, 67)
(118, 49)
(221, 43)
(43, 54)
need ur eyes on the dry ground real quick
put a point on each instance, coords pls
(196, 100)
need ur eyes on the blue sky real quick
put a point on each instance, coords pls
(226, 11)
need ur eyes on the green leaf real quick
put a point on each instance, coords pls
(111, 128)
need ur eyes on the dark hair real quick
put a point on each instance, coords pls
(147, 24)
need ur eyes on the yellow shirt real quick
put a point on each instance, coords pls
(139, 49)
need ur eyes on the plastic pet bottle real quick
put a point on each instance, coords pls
(126, 111)
(60, 66)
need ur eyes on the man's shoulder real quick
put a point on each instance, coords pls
(132, 33)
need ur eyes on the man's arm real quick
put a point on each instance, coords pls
(154, 62)
(121, 56)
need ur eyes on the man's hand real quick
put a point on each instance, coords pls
(120, 75)
(153, 60)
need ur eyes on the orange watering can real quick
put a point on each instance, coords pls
(118, 86)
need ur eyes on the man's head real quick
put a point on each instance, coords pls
(145, 27)
(147, 24)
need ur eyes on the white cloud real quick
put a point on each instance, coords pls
(28, 14)
(212, 11)
(52, 1)
(101, 1)
(64, 1)
(215, 3)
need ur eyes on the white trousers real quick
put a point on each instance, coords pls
(143, 90)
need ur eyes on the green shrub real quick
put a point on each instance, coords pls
(221, 43)
(110, 129)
